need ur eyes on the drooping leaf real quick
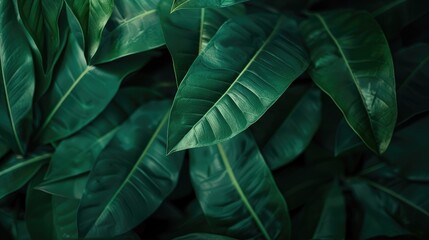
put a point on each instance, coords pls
(16, 171)
(408, 154)
(134, 27)
(77, 154)
(187, 32)
(237, 192)
(87, 20)
(207, 236)
(131, 177)
(351, 62)
(17, 81)
(71, 187)
(412, 74)
(80, 92)
(246, 66)
(183, 4)
(296, 131)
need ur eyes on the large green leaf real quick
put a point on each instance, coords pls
(133, 27)
(131, 177)
(87, 20)
(412, 74)
(16, 171)
(77, 154)
(71, 187)
(187, 32)
(296, 131)
(351, 62)
(237, 192)
(80, 91)
(408, 153)
(181, 4)
(246, 66)
(17, 81)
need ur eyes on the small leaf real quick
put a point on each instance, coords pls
(76, 154)
(131, 177)
(134, 27)
(15, 172)
(16, 81)
(296, 131)
(187, 32)
(182, 4)
(351, 62)
(237, 192)
(80, 92)
(246, 66)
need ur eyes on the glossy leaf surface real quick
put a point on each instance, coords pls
(71, 187)
(237, 192)
(131, 177)
(181, 4)
(188, 31)
(351, 62)
(296, 131)
(77, 154)
(17, 81)
(80, 92)
(134, 27)
(247, 65)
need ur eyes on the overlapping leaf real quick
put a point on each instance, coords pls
(237, 192)
(133, 27)
(17, 81)
(131, 177)
(181, 4)
(351, 62)
(80, 92)
(187, 32)
(246, 66)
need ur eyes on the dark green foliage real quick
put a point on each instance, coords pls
(214, 119)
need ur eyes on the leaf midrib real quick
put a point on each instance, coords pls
(134, 18)
(240, 192)
(25, 163)
(135, 167)
(234, 82)
(340, 50)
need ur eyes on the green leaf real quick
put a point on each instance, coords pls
(77, 154)
(17, 81)
(412, 74)
(199, 236)
(346, 140)
(134, 27)
(246, 66)
(351, 62)
(237, 192)
(64, 217)
(87, 20)
(408, 153)
(16, 171)
(296, 131)
(181, 4)
(131, 177)
(80, 92)
(187, 32)
(71, 187)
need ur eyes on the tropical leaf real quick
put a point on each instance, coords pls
(80, 92)
(187, 32)
(349, 52)
(296, 131)
(247, 65)
(16, 171)
(207, 236)
(71, 187)
(3, 149)
(181, 4)
(237, 192)
(346, 140)
(132, 167)
(17, 81)
(87, 20)
(76, 154)
(134, 27)
(412, 74)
